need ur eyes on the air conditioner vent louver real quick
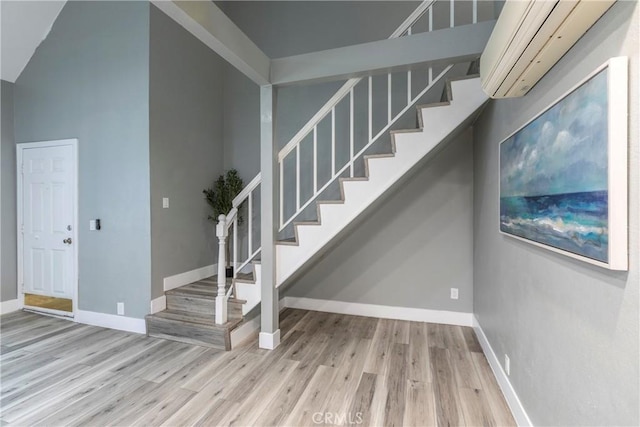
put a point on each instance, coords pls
(529, 38)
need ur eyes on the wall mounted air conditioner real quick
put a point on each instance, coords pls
(529, 38)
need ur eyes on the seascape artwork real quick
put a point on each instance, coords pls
(554, 175)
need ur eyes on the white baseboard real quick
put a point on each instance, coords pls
(381, 311)
(158, 304)
(269, 340)
(111, 321)
(10, 306)
(187, 277)
(518, 411)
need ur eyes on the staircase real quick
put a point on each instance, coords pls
(409, 149)
(190, 313)
(207, 312)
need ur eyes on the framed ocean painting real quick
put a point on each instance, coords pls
(563, 175)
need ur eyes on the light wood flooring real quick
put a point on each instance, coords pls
(329, 369)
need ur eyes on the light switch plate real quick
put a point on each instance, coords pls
(165, 202)
(92, 225)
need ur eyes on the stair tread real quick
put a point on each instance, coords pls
(288, 241)
(195, 318)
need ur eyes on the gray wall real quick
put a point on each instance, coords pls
(90, 80)
(241, 123)
(8, 257)
(412, 249)
(186, 148)
(570, 329)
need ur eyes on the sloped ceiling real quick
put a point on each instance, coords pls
(23, 26)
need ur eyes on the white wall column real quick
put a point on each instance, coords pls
(269, 330)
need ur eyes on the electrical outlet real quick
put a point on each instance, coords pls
(92, 225)
(120, 306)
(454, 293)
(507, 365)
(165, 202)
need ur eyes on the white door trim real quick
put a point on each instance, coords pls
(20, 147)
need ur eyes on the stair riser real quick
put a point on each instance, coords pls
(188, 333)
(201, 306)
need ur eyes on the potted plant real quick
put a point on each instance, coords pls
(220, 198)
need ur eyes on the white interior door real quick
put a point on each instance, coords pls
(48, 219)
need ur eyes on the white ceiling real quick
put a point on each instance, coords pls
(23, 26)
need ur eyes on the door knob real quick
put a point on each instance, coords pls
(67, 241)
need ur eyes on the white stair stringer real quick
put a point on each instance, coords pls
(249, 290)
(439, 121)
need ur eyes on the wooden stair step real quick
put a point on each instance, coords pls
(192, 328)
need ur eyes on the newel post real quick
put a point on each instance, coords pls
(221, 301)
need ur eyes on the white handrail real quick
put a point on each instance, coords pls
(231, 217)
(346, 88)
(237, 201)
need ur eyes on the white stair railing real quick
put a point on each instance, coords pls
(231, 221)
(408, 27)
(310, 129)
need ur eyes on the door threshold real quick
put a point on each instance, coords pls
(49, 312)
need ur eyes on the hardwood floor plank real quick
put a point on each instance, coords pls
(289, 319)
(448, 410)
(379, 402)
(471, 340)
(117, 387)
(211, 368)
(454, 339)
(475, 407)
(499, 408)
(36, 374)
(193, 368)
(168, 361)
(435, 336)
(349, 371)
(218, 414)
(363, 398)
(464, 370)
(396, 385)
(364, 327)
(117, 405)
(158, 414)
(24, 391)
(337, 347)
(267, 390)
(312, 397)
(419, 405)
(53, 399)
(23, 367)
(377, 360)
(119, 351)
(419, 364)
(291, 391)
(401, 332)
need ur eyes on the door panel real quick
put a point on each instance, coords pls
(48, 219)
